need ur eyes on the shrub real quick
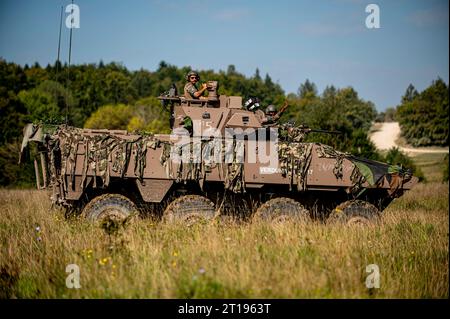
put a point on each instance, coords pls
(396, 157)
(445, 172)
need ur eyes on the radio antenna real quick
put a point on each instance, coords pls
(68, 68)
(59, 45)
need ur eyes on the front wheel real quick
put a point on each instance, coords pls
(113, 207)
(282, 209)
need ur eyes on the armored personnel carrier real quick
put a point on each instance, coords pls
(221, 159)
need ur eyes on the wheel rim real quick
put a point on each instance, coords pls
(282, 218)
(190, 210)
(358, 221)
(354, 212)
(192, 219)
(114, 207)
(282, 210)
(113, 214)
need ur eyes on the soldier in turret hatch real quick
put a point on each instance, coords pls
(272, 116)
(190, 89)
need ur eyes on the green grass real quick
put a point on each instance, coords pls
(152, 260)
(431, 164)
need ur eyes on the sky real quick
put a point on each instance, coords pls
(325, 41)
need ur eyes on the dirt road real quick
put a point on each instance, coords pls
(385, 138)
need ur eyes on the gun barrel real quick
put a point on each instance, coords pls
(324, 131)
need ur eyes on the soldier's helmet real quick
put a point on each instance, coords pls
(191, 73)
(271, 109)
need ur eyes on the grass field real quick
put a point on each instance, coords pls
(431, 164)
(151, 260)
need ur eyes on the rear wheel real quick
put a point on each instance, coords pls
(113, 207)
(190, 209)
(355, 212)
(282, 209)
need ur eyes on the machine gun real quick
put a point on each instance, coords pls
(292, 133)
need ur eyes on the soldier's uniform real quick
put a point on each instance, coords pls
(271, 116)
(189, 90)
(271, 119)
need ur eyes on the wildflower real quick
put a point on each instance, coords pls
(227, 238)
(38, 229)
(175, 253)
(39, 238)
(103, 261)
(201, 271)
(87, 253)
(174, 264)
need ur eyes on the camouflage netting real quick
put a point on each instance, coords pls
(103, 153)
(106, 152)
(187, 167)
(329, 152)
(375, 174)
(294, 159)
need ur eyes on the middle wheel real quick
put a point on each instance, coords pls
(282, 209)
(189, 209)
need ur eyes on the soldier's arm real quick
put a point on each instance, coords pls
(200, 92)
(281, 111)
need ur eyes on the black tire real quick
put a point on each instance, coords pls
(282, 209)
(189, 209)
(110, 206)
(354, 212)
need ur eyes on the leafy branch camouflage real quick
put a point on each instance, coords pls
(190, 168)
(104, 152)
(329, 152)
(294, 159)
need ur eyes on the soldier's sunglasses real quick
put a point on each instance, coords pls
(193, 77)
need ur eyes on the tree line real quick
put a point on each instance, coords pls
(424, 116)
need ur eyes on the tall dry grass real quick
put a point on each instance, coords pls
(152, 260)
